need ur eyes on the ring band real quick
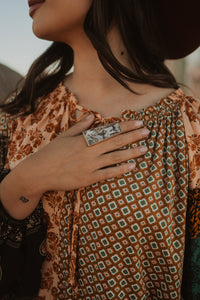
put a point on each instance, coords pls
(99, 134)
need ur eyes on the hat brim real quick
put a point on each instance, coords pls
(179, 25)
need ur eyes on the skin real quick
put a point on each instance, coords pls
(54, 21)
(48, 169)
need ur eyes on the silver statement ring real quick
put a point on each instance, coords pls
(99, 134)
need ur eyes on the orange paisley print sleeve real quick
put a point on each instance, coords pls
(190, 109)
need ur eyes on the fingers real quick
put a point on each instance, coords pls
(77, 129)
(131, 125)
(121, 156)
(121, 140)
(113, 171)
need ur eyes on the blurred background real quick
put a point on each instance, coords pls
(19, 48)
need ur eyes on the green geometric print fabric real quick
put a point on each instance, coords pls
(131, 229)
(191, 275)
(191, 280)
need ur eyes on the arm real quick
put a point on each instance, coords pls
(20, 241)
(13, 184)
(20, 192)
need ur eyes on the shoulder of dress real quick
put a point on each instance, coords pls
(191, 101)
(54, 98)
(190, 110)
(179, 95)
(187, 99)
(189, 105)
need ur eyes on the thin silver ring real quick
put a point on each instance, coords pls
(96, 135)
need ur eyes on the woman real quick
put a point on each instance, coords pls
(114, 212)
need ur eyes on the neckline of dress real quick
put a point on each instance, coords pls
(164, 102)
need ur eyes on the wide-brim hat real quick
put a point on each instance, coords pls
(179, 25)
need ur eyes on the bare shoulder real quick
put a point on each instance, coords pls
(151, 95)
(158, 93)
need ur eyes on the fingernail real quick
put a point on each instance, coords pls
(88, 117)
(139, 123)
(145, 131)
(143, 149)
(131, 166)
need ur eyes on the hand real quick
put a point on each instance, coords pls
(67, 163)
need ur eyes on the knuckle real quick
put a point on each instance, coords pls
(106, 173)
(122, 168)
(109, 174)
(137, 135)
(115, 157)
(134, 152)
(118, 141)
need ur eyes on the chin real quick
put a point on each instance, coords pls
(41, 32)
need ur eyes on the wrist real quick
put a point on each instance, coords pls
(30, 180)
(19, 195)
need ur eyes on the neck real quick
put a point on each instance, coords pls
(99, 91)
(88, 70)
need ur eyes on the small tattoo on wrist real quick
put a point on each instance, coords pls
(23, 199)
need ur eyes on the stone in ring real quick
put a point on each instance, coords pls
(98, 134)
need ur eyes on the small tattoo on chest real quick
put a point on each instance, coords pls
(23, 199)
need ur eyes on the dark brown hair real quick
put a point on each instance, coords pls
(137, 25)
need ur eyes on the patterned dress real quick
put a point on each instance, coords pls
(122, 238)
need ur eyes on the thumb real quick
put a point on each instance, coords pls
(84, 124)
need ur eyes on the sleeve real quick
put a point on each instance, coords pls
(190, 110)
(21, 242)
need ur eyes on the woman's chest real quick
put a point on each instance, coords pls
(154, 191)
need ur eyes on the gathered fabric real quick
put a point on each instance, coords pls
(122, 238)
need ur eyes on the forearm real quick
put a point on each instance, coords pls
(20, 193)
